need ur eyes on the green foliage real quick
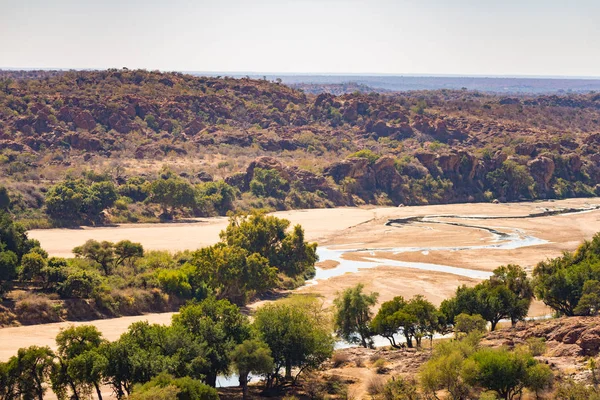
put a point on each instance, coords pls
(511, 181)
(172, 193)
(174, 281)
(32, 265)
(165, 387)
(25, 374)
(506, 373)
(507, 294)
(75, 201)
(561, 282)
(415, 319)
(217, 196)
(465, 323)
(399, 388)
(251, 356)
(267, 236)
(218, 326)
(298, 335)
(79, 284)
(80, 364)
(366, 153)
(268, 183)
(353, 315)
(109, 255)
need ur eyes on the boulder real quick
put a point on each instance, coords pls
(542, 170)
(427, 159)
(84, 120)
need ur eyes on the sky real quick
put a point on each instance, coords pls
(426, 37)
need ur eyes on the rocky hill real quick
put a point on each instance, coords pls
(412, 148)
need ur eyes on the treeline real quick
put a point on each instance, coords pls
(181, 361)
(257, 253)
(568, 284)
(507, 294)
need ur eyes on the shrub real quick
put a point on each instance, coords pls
(80, 284)
(375, 386)
(399, 388)
(339, 359)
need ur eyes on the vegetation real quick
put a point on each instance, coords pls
(74, 141)
(353, 315)
(507, 294)
(569, 284)
(257, 254)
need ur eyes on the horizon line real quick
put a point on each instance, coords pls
(338, 74)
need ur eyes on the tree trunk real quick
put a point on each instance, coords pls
(211, 379)
(244, 385)
(494, 323)
(408, 341)
(288, 369)
(98, 392)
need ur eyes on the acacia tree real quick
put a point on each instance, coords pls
(353, 315)
(109, 255)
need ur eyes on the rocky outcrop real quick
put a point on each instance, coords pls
(542, 170)
(573, 336)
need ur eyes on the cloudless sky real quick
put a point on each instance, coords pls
(465, 37)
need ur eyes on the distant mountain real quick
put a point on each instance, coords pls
(507, 85)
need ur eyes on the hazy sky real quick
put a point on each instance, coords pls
(466, 37)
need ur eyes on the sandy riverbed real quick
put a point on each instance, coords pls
(354, 228)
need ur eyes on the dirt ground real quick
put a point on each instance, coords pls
(354, 228)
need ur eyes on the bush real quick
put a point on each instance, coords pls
(379, 366)
(398, 388)
(80, 284)
(174, 281)
(375, 386)
(339, 359)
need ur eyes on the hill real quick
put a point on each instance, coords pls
(416, 147)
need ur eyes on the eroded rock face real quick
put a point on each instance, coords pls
(542, 169)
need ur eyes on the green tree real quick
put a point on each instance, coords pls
(559, 282)
(268, 183)
(267, 236)
(80, 363)
(172, 193)
(426, 318)
(218, 195)
(28, 372)
(353, 315)
(298, 335)
(500, 370)
(465, 323)
(219, 326)
(511, 180)
(32, 266)
(387, 322)
(108, 255)
(251, 356)
(589, 303)
(515, 279)
(4, 199)
(169, 387)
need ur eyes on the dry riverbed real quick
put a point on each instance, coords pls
(364, 230)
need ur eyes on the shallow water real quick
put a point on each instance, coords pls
(501, 241)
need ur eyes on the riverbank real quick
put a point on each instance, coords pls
(387, 271)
